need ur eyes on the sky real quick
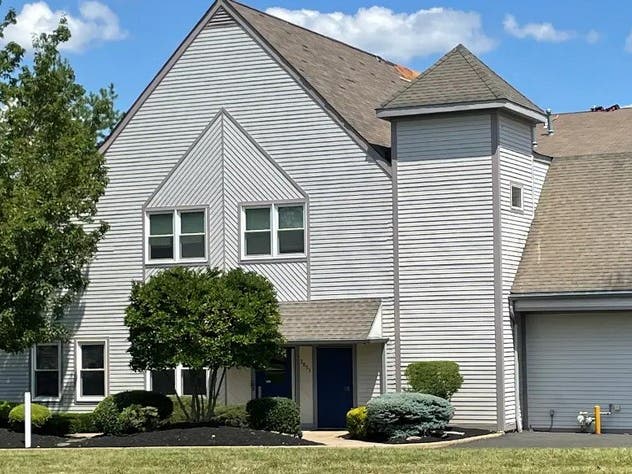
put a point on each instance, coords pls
(567, 55)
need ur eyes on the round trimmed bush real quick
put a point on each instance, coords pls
(5, 409)
(356, 422)
(274, 414)
(106, 414)
(231, 415)
(398, 416)
(39, 416)
(440, 378)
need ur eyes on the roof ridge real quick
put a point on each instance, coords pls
(460, 49)
(368, 53)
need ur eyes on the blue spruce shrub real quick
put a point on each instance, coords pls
(397, 416)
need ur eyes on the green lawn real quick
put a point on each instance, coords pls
(298, 460)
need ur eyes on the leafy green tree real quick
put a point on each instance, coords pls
(51, 177)
(203, 320)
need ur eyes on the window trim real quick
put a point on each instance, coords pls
(78, 369)
(274, 254)
(59, 371)
(513, 185)
(176, 234)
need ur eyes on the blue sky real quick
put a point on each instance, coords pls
(566, 55)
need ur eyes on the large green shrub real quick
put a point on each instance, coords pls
(356, 422)
(397, 416)
(440, 378)
(231, 415)
(39, 416)
(137, 418)
(274, 414)
(68, 423)
(5, 409)
(106, 414)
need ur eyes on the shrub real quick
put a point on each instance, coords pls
(231, 415)
(39, 416)
(440, 378)
(69, 423)
(137, 418)
(356, 422)
(106, 414)
(178, 416)
(274, 414)
(397, 416)
(5, 408)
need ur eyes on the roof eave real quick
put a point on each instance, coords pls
(399, 112)
(578, 301)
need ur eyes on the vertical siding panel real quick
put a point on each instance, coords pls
(446, 253)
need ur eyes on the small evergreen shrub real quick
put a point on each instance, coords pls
(274, 414)
(398, 416)
(5, 409)
(137, 418)
(106, 414)
(39, 416)
(440, 378)
(356, 422)
(178, 415)
(231, 415)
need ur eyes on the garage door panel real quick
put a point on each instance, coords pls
(575, 361)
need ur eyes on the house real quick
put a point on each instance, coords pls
(394, 212)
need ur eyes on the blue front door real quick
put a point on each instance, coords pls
(276, 380)
(334, 385)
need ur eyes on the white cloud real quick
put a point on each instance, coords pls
(396, 36)
(95, 23)
(628, 43)
(545, 32)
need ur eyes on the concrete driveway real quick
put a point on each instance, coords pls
(539, 439)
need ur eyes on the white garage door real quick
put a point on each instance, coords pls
(576, 361)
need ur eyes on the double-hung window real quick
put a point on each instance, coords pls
(176, 236)
(91, 370)
(46, 376)
(273, 231)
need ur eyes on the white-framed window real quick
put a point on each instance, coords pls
(46, 372)
(273, 230)
(177, 381)
(517, 198)
(92, 376)
(176, 235)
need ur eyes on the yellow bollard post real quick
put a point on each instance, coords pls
(597, 409)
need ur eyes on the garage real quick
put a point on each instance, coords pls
(573, 362)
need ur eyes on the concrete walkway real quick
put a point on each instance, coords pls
(539, 439)
(339, 439)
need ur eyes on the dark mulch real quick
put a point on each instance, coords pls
(196, 436)
(468, 433)
(11, 439)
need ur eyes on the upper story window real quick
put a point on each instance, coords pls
(273, 230)
(516, 197)
(176, 235)
(46, 371)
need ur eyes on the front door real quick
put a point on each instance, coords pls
(334, 385)
(276, 380)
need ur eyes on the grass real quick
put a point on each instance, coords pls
(326, 460)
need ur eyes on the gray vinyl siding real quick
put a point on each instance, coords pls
(576, 361)
(516, 168)
(368, 372)
(539, 174)
(446, 273)
(14, 376)
(350, 228)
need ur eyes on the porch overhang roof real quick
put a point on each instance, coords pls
(332, 321)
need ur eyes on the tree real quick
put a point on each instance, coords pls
(51, 177)
(203, 320)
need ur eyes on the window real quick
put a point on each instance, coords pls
(164, 381)
(193, 378)
(273, 231)
(516, 196)
(176, 236)
(46, 377)
(179, 380)
(91, 376)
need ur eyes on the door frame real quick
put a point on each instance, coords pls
(354, 374)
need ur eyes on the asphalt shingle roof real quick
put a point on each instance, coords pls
(459, 77)
(581, 236)
(335, 320)
(352, 81)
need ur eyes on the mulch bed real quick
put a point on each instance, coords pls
(11, 439)
(196, 436)
(468, 433)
